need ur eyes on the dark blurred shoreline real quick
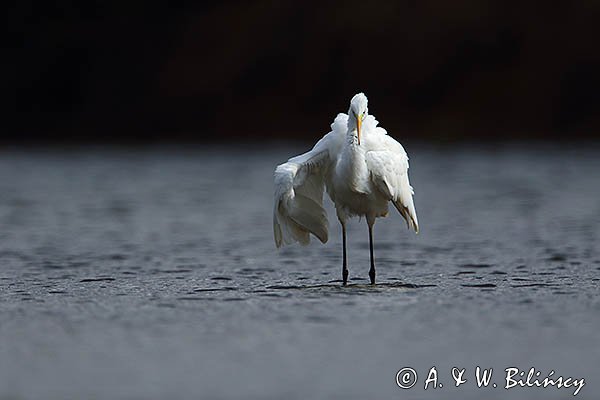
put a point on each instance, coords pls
(245, 146)
(465, 70)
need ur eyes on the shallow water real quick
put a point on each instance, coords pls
(152, 274)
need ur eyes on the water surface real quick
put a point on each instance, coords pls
(153, 274)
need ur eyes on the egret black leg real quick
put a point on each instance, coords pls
(372, 270)
(344, 259)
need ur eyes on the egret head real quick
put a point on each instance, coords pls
(357, 113)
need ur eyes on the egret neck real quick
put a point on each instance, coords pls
(355, 126)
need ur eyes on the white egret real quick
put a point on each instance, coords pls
(362, 169)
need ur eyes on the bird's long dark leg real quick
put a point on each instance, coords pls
(372, 270)
(344, 259)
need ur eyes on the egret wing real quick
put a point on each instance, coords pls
(388, 166)
(299, 186)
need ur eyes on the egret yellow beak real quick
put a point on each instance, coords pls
(358, 125)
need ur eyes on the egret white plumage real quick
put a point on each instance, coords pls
(362, 169)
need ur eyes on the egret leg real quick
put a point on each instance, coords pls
(344, 259)
(372, 270)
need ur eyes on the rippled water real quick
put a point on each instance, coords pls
(152, 274)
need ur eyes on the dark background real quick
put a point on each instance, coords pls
(433, 70)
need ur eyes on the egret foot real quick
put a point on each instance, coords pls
(372, 274)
